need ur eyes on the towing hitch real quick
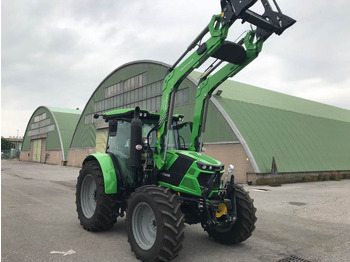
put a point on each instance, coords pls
(223, 209)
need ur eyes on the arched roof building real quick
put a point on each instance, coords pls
(48, 135)
(302, 135)
(247, 126)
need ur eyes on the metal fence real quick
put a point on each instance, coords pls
(9, 154)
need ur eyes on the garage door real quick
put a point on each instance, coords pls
(37, 150)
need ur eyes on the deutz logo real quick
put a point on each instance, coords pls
(165, 174)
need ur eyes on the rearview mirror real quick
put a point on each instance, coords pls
(113, 128)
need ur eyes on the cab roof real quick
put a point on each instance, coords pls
(128, 113)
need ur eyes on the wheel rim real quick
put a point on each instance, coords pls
(88, 196)
(144, 226)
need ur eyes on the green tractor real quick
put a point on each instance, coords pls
(149, 171)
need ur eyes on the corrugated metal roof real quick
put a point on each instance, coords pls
(302, 135)
(254, 95)
(65, 110)
(260, 96)
(67, 120)
(299, 142)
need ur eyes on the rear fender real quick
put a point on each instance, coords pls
(108, 171)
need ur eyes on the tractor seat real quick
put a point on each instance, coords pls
(231, 52)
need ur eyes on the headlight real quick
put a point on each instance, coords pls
(206, 167)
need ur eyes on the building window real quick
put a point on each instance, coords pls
(45, 122)
(126, 85)
(134, 92)
(182, 97)
(41, 130)
(40, 117)
(41, 125)
(35, 125)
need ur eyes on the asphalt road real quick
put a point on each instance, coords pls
(310, 221)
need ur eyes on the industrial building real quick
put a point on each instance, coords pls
(136, 84)
(247, 126)
(48, 135)
(15, 147)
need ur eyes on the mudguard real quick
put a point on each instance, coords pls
(108, 171)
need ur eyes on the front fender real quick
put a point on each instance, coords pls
(108, 171)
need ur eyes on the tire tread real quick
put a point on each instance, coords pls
(172, 224)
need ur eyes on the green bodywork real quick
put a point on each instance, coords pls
(189, 183)
(108, 171)
(207, 86)
(171, 82)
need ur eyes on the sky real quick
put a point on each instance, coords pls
(55, 53)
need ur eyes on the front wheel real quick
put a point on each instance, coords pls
(97, 211)
(241, 230)
(155, 224)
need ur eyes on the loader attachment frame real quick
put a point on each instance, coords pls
(216, 46)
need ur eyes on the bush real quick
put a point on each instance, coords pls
(321, 177)
(308, 179)
(325, 178)
(314, 178)
(335, 176)
(346, 176)
(303, 179)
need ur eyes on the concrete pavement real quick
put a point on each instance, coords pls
(310, 221)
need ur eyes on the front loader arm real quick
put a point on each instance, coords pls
(177, 74)
(207, 85)
(268, 23)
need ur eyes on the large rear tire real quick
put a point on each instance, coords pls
(241, 230)
(97, 211)
(155, 224)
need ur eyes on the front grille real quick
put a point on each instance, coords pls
(204, 177)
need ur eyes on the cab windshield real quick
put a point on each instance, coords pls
(119, 144)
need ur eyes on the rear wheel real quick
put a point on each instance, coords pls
(155, 224)
(97, 211)
(241, 230)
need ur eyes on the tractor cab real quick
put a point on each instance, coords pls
(131, 142)
(132, 138)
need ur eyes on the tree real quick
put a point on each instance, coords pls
(5, 144)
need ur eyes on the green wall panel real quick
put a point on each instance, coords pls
(299, 142)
